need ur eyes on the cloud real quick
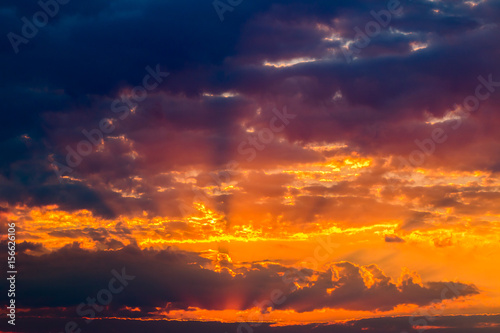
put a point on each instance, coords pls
(64, 278)
(191, 125)
(393, 239)
(445, 324)
(349, 286)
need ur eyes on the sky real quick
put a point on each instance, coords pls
(251, 166)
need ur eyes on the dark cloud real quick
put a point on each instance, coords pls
(105, 48)
(440, 324)
(393, 239)
(64, 278)
(344, 286)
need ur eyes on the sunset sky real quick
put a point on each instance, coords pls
(251, 165)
